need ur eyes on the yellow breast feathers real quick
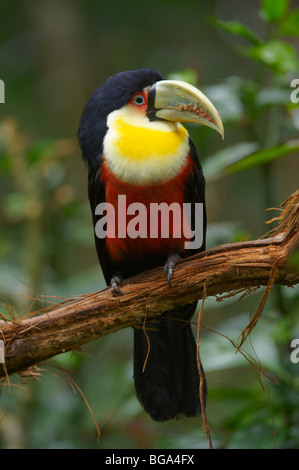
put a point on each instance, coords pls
(143, 152)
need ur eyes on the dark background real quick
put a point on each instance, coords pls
(53, 54)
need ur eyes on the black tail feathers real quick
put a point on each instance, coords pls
(165, 366)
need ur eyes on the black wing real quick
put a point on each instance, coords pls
(96, 195)
(194, 193)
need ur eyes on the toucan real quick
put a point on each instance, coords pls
(135, 146)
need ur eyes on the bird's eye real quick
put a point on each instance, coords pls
(139, 100)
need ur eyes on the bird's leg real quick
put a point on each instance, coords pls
(169, 265)
(115, 284)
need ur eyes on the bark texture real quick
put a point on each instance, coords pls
(229, 268)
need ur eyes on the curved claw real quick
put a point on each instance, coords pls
(169, 265)
(115, 284)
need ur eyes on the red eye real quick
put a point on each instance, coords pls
(139, 99)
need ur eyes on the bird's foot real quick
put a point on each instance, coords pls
(169, 265)
(115, 284)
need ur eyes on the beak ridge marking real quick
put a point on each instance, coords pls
(194, 109)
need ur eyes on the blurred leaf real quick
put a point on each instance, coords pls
(290, 25)
(279, 55)
(186, 75)
(226, 98)
(293, 260)
(216, 165)
(38, 152)
(281, 330)
(68, 360)
(54, 174)
(264, 156)
(5, 163)
(273, 96)
(259, 436)
(4, 246)
(243, 156)
(15, 205)
(274, 10)
(234, 27)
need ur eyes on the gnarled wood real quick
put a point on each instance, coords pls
(226, 268)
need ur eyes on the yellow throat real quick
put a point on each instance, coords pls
(142, 152)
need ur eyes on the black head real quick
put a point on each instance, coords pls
(115, 92)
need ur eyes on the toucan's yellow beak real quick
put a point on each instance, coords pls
(174, 100)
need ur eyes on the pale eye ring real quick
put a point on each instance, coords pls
(139, 100)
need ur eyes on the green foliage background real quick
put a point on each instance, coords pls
(53, 54)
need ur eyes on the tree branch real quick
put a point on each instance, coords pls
(230, 268)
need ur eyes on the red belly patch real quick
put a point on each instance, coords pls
(159, 230)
